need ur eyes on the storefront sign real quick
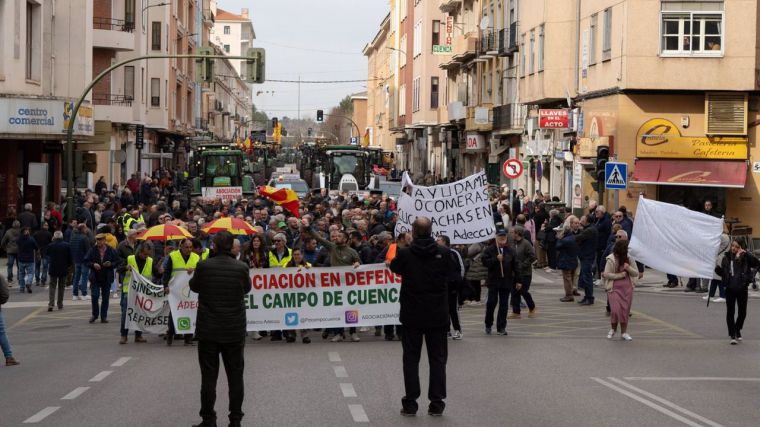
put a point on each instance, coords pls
(224, 193)
(553, 119)
(587, 146)
(475, 141)
(660, 138)
(447, 39)
(43, 117)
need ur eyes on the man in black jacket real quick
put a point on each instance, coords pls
(501, 263)
(221, 283)
(424, 268)
(587, 241)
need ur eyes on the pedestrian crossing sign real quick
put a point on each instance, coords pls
(616, 176)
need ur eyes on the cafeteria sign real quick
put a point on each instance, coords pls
(660, 138)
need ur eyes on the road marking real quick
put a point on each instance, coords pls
(665, 402)
(358, 414)
(100, 376)
(347, 389)
(333, 356)
(664, 323)
(39, 416)
(75, 393)
(121, 361)
(691, 379)
(28, 317)
(652, 405)
(340, 371)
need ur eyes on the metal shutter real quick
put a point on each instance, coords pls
(726, 113)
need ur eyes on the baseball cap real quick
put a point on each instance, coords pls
(501, 232)
(281, 224)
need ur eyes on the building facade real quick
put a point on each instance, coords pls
(233, 34)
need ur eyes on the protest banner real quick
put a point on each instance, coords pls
(460, 210)
(147, 306)
(675, 240)
(301, 298)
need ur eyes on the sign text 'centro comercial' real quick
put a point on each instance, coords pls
(29, 116)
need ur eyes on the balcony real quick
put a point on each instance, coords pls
(479, 118)
(111, 99)
(512, 43)
(115, 108)
(448, 6)
(456, 111)
(509, 117)
(114, 34)
(488, 47)
(465, 48)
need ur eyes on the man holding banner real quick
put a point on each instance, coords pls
(221, 283)
(183, 259)
(143, 264)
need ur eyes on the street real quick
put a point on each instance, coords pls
(555, 369)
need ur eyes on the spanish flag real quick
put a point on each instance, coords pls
(285, 197)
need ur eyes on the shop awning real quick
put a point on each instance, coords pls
(698, 173)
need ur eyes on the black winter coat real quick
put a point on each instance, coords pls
(424, 268)
(587, 241)
(59, 253)
(740, 276)
(221, 283)
(509, 266)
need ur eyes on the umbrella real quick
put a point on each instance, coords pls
(233, 225)
(165, 232)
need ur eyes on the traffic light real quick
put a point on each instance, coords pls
(320, 116)
(602, 156)
(255, 65)
(204, 66)
(309, 131)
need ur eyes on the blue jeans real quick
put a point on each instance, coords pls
(11, 262)
(79, 281)
(41, 269)
(585, 279)
(124, 304)
(100, 291)
(4, 344)
(25, 274)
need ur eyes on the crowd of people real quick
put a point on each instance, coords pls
(93, 251)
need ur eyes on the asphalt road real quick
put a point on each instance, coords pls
(555, 370)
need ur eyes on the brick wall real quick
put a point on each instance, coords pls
(101, 59)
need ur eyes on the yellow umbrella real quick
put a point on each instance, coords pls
(165, 232)
(233, 225)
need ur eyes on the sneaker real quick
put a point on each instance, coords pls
(501, 332)
(532, 314)
(719, 299)
(734, 342)
(256, 336)
(355, 337)
(514, 316)
(86, 298)
(337, 338)
(10, 361)
(627, 337)
(739, 336)
(706, 297)
(457, 335)
(75, 297)
(610, 334)
(488, 331)
(364, 329)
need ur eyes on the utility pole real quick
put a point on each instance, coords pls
(299, 97)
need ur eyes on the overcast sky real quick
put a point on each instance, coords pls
(316, 39)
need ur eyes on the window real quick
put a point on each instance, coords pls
(523, 57)
(402, 100)
(33, 46)
(434, 92)
(226, 29)
(416, 95)
(592, 39)
(436, 33)
(692, 28)
(532, 60)
(541, 48)
(403, 48)
(417, 38)
(155, 92)
(129, 14)
(227, 48)
(129, 82)
(607, 40)
(156, 35)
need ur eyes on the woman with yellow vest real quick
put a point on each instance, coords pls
(298, 261)
(143, 263)
(183, 259)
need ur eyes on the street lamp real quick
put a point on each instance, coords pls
(142, 13)
(397, 50)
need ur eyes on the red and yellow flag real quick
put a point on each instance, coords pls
(284, 197)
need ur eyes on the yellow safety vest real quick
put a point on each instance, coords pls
(179, 264)
(128, 223)
(283, 262)
(205, 254)
(147, 271)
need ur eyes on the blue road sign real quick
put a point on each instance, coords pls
(354, 140)
(616, 176)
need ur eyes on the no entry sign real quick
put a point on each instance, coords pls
(512, 168)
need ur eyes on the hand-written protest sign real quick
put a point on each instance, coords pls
(293, 298)
(460, 210)
(675, 240)
(147, 306)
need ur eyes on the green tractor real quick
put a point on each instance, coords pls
(220, 171)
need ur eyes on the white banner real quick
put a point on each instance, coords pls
(224, 193)
(460, 210)
(147, 306)
(675, 240)
(301, 298)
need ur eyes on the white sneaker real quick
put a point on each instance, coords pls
(355, 337)
(734, 342)
(337, 338)
(364, 329)
(627, 337)
(86, 298)
(705, 297)
(719, 299)
(457, 335)
(256, 336)
(610, 334)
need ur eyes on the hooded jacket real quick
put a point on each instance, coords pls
(424, 268)
(9, 240)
